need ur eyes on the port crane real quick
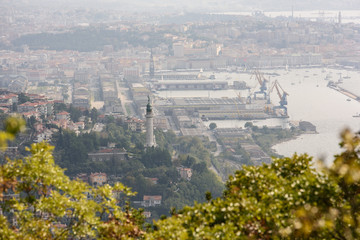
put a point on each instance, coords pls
(250, 93)
(282, 95)
(263, 84)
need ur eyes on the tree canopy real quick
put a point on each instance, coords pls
(38, 201)
(287, 199)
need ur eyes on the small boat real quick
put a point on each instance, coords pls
(357, 115)
(348, 99)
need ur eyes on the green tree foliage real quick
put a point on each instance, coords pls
(266, 137)
(288, 199)
(212, 126)
(72, 150)
(248, 125)
(59, 107)
(22, 98)
(46, 204)
(195, 147)
(155, 157)
(94, 115)
(75, 113)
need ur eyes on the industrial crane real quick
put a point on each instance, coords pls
(282, 95)
(250, 93)
(263, 84)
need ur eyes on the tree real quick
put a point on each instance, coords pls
(46, 204)
(249, 125)
(75, 113)
(155, 157)
(65, 96)
(288, 199)
(22, 98)
(212, 126)
(94, 115)
(59, 107)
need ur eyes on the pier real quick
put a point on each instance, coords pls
(345, 92)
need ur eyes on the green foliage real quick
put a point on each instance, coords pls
(75, 113)
(48, 198)
(12, 125)
(94, 115)
(59, 107)
(155, 157)
(22, 98)
(195, 147)
(212, 126)
(288, 199)
(249, 125)
(266, 137)
(71, 150)
(46, 204)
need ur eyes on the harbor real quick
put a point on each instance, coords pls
(309, 99)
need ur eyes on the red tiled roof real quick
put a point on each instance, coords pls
(63, 113)
(97, 174)
(156, 197)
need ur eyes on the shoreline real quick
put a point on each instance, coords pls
(290, 139)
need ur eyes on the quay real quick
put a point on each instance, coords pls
(220, 108)
(344, 91)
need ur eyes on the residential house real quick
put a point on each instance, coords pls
(98, 179)
(185, 173)
(151, 201)
(62, 116)
(147, 214)
(82, 176)
(108, 155)
(135, 124)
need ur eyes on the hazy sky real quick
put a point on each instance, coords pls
(198, 5)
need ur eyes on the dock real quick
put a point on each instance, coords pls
(221, 108)
(345, 92)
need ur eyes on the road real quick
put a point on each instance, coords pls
(123, 93)
(210, 134)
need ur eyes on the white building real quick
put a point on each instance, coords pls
(150, 138)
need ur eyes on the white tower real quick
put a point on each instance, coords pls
(149, 125)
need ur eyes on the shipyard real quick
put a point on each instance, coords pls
(249, 103)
